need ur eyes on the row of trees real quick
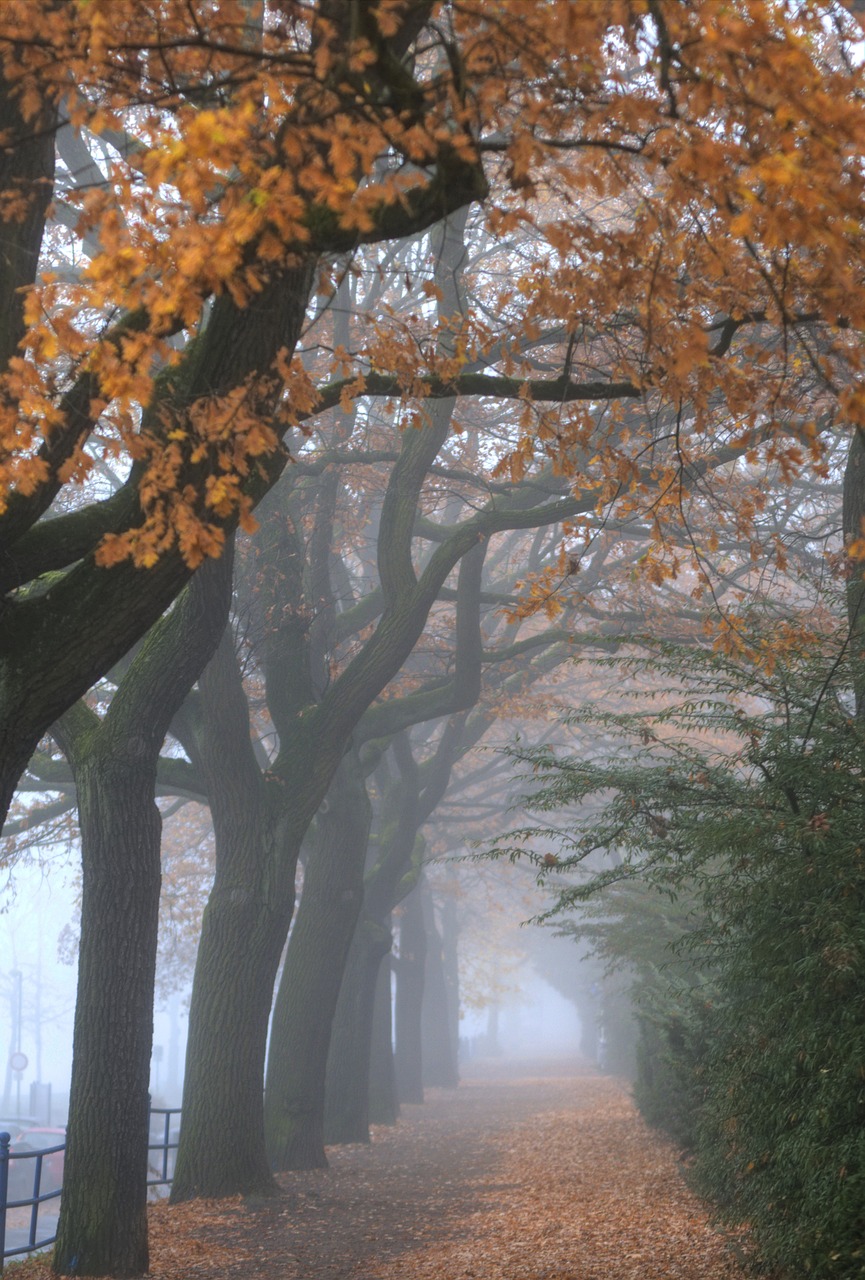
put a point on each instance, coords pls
(296, 240)
(312, 627)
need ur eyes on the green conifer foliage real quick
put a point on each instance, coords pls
(715, 847)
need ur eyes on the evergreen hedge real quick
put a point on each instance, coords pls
(714, 848)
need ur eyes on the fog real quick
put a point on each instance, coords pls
(532, 1021)
(38, 966)
(37, 990)
(535, 1022)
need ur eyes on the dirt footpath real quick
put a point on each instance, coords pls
(539, 1176)
(564, 1181)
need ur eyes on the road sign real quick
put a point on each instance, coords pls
(18, 1062)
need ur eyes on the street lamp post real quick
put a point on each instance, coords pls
(18, 977)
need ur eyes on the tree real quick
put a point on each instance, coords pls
(312, 975)
(335, 871)
(410, 793)
(103, 1226)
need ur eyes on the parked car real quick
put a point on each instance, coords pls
(26, 1142)
(14, 1124)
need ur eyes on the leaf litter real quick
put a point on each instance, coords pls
(533, 1177)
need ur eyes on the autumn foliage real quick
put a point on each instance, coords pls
(684, 181)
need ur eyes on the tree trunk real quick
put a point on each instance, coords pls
(409, 1000)
(222, 1150)
(103, 1224)
(493, 1045)
(347, 1084)
(244, 927)
(383, 1101)
(451, 968)
(439, 1053)
(26, 168)
(311, 979)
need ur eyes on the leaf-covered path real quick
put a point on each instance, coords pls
(533, 1177)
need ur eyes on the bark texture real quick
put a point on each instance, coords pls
(439, 1053)
(103, 1226)
(383, 1098)
(221, 1149)
(410, 976)
(347, 1083)
(312, 975)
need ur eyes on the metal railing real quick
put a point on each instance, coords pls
(32, 1202)
(167, 1146)
(9, 1160)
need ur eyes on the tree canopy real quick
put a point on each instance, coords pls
(673, 190)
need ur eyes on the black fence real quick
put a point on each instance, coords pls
(31, 1179)
(166, 1146)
